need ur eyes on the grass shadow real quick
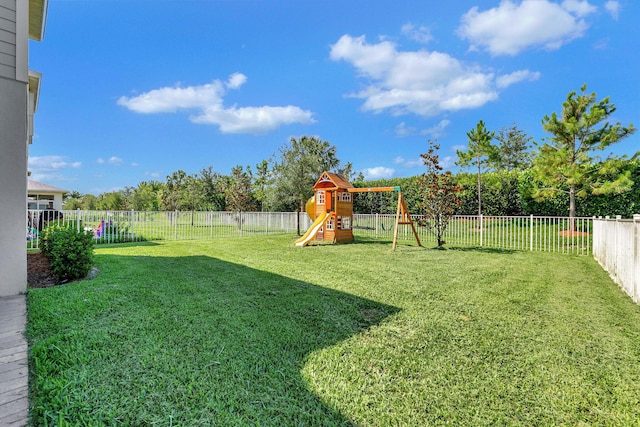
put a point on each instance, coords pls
(383, 241)
(188, 340)
(480, 249)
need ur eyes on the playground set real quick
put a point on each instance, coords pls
(331, 210)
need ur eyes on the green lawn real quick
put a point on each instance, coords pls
(255, 331)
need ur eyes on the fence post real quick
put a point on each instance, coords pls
(175, 225)
(617, 246)
(635, 269)
(593, 236)
(78, 219)
(133, 224)
(480, 223)
(531, 232)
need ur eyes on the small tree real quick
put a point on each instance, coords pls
(481, 153)
(513, 151)
(569, 163)
(261, 183)
(439, 194)
(173, 191)
(213, 185)
(301, 163)
(238, 193)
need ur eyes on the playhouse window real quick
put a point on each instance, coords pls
(320, 197)
(331, 224)
(346, 223)
(344, 197)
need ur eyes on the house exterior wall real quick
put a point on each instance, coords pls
(44, 200)
(13, 167)
(57, 201)
(14, 44)
(8, 38)
(14, 24)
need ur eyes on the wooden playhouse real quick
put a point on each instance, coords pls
(331, 209)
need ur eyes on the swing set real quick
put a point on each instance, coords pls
(331, 209)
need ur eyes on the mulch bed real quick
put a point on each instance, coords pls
(39, 273)
(569, 233)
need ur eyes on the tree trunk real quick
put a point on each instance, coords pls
(440, 231)
(479, 199)
(572, 207)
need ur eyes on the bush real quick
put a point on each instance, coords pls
(499, 190)
(70, 252)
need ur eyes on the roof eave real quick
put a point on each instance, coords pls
(37, 18)
(34, 87)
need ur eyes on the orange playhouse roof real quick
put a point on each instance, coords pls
(332, 180)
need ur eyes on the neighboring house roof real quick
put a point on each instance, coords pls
(37, 18)
(39, 187)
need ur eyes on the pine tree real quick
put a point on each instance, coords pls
(569, 161)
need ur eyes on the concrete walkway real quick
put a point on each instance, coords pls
(14, 369)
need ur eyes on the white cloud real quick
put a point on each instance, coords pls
(507, 80)
(236, 80)
(447, 162)
(413, 163)
(425, 83)
(601, 44)
(420, 34)
(254, 120)
(379, 172)
(207, 101)
(50, 168)
(580, 8)
(403, 130)
(613, 8)
(437, 130)
(511, 28)
(172, 99)
(114, 160)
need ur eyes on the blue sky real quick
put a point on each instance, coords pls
(133, 90)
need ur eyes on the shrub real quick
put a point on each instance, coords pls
(70, 252)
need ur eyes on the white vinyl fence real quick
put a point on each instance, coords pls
(135, 226)
(616, 246)
(545, 234)
(530, 233)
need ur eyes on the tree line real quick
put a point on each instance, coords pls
(508, 174)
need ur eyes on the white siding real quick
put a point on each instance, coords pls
(8, 38)
(13, 176)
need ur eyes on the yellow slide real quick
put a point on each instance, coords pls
(313, 230)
